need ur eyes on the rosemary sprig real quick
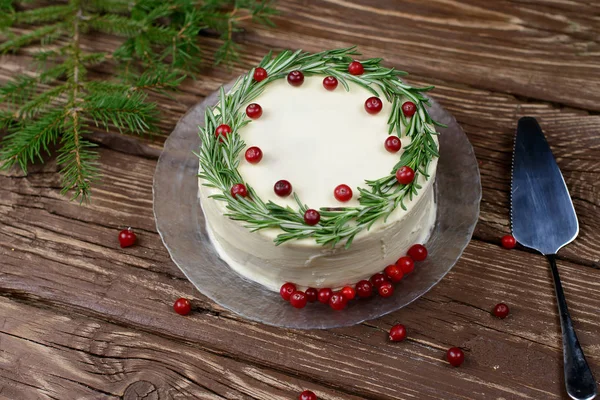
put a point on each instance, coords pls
(219, 161)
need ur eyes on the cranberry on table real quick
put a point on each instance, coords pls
(254, 111)
(182, 306)
(405, 175)
(378, 279)
(509, 242)
(260, 74)
(295, 78)
(325, 295)
(298, 299)
(239, 189)
(311, 217)
(286, 290)
(342, 193)
(282, 188)
(127, 238)
(311, 295)
(348, 292)
(330, 82)
(253, 155)
(393, 144)
(417, 252)
(386, 289)
(501, 310)
(373, 105)
(409, 109)
(455, 356)
(337, 301)
(307, 395)
(356, 68)
(397, 333)
(394, 273)
(406, 264)
(222, 131)
(364, 289)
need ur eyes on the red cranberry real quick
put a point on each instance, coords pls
(386, 289)
(307, 395)
(348, 292)
(393, 144)
(417, 252)
(394, 273)
(182, 306)
(398, 333)
(406, 265)
(222, 131)
(330, 82)
(260, 74)
(282, 188)
(364, 289)
(239, 189)
(298, 299)
(286, 290)
(455, 356)
(405, 175)
(373, 105)
(325, 295)
(409, 109)
(295, 78)
(254, 155)
(509, 242)
(337, 301)
(254, 111)
(127, 238)
(311, 294)
(378, 279)
(356, 68)
(342, 193)
(501, 310)
(311, 217)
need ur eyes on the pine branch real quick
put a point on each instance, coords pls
(124, 111)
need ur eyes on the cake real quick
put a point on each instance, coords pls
(317, 170)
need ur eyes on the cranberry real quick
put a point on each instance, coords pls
(405, 175)
(239, 189)
(311, 217)
(337, 301)
(373, 105)
(393, 144)
(307, 395)
(509, 242)
(222, 131)
(394, 273)
(364, 289)
(325, 295)
(409, 109)
(342, 193)
(282, 188)
(298, 299)
(254, 111)
(182, 306)
(348, 292)
(406, 265)
(356, 68)
(254, 155)
(501, 310)
(260, 74)
(286, 290)
(455, 356)
(127, 238)
(386, 289)
(417, 252)
(330, 83)
(295, 78)
(378, 279)
(398, 333)
(311, 294)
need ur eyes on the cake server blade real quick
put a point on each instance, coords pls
(543, 218)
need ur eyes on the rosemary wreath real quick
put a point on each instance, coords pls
(219, 159)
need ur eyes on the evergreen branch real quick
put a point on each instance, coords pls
(38, 34)
(43, 14)
(130, 111)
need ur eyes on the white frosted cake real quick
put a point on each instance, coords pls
(315, 133)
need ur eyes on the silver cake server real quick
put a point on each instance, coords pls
(543, 218)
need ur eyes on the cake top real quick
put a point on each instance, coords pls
(289, 149)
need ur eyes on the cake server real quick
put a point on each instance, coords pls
(543, 218)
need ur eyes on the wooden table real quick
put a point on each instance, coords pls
(83, 319)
